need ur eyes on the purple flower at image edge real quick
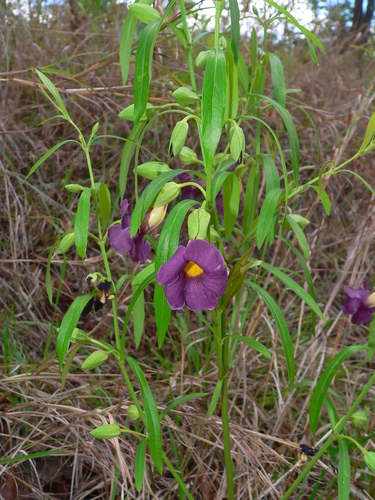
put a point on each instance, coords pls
(195, 276)
(119, 237)
(358, 303)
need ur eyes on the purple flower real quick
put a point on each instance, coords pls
(119, 236)
(360, 303)
(196, 275)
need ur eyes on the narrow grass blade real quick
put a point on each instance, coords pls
(139, 464)
(104, 203)
(139, 305)
(215, 397)
(369, 135)
(235, 28)
(54, 92)
(343, 477)
(180, 400)
(282, 326)
(167, 245)
(47, 155)
(270, 172)
(324, 382)
(127, 155)
(69, 322)
(267, 212)
(295, 287)
(278, 80)
(152, 415)
(231, 199)
(254, 344)
(299, 235)
(231, 101)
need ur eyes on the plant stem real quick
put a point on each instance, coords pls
(177, 477)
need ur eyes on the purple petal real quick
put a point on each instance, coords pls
(362, 316)
(360, 294)
(175, 293)
(198, 297)
(220, 203)
(350, 305)
(169, 272)
(120, 239)
(216, 281)
(206, 255)
(184, 177)
(125, 214)
(140, 249)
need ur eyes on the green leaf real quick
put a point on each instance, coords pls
(152, 416)
(180, 35)
(139, 464)
(213, 103)
(295, 287)
(267, 212)
(235, 28)
(278, 80)
(167, 245)
(369, 187)
(69, 322)
(370, 460)
(231, 199)
(282, 326)
(215, 397)
(81, 225)
(299, 235)
(127, 155)
(251, 198)
(180, 400)
(343, 477)
(127, 36)
(47, 155)
(324, 382)
(231, 101)
(369, 135)
(144, 13)
(148, 196)
(68, 362)
(254, 344)
(104, 203)
(48, 275)
(143, 60)
(324, 198)
(55, 93)
(243, 74)
(270, 172)
(139, 305)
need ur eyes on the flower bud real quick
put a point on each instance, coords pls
(370, 302)
(66, 242)
(360, 419)
(133, 412)
(198, 222)
(95, 359)
(187, 156)
(79, 335)
(178, 138)
(106, 431)
(202, 58)
(152, 169)
(74, 188)
(169, 192)
(185, 96)
(154, 218)
(128, 113)
(237, 143)
(222, 43)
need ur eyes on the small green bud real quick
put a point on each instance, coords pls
(169, 192)
(79, 335)
(202, 58)
(66, 242)
(185, 96)
(255, 10)
(95, 128)
(144, 13)
(74, 188)
(178, 138)
(198, 222)
(222, 43)
(106, 431)
(133, 412)
(187, 156)
(214, 235)
(128, 113)
(237, 143)
(95, 359)
(370, 460)
(360, 419)
(152, 169)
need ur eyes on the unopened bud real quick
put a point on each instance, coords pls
(154, 218)
(187, 156)
(185, 96)
(370, 301)
(128, 113)
(95, 359)
(201, 59)
(79, 335)
(169, 192)
(222, 43)
(106, 431)
(237, 143)
(178, 138)
(152, 169)
(360, 419)
(198, 222)
(66, 242)
(133, 412)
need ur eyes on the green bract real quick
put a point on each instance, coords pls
(79, 335)
(169, 192)
(178, 138)
(66, 242)
(152, 169)
(198, 222)
(185, 96)
(187, 156)
(95, 359)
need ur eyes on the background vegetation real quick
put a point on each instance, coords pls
(77, 46)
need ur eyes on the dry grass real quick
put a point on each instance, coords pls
(268, 421)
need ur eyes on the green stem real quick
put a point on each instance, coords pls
(217, 24)
(177, 477)
(131, 391)
(189, 52)
(337, 430)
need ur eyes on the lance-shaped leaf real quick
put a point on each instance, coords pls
(235, 27)
(213, 103)
(81, 226)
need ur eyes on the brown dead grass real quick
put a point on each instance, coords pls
(268, 422)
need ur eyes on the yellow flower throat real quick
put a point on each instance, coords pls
(192, 270)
